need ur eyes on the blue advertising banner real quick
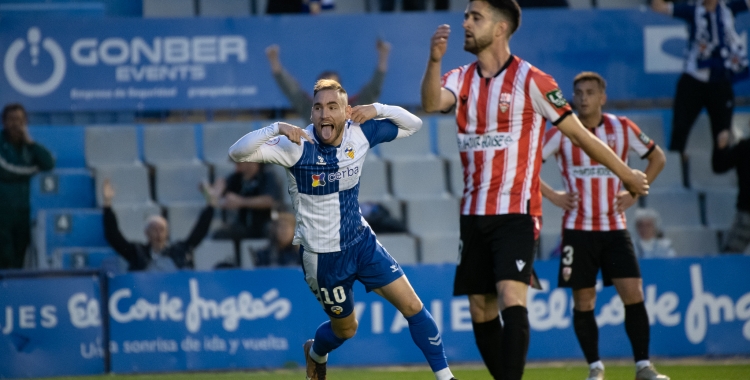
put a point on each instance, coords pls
(53, 64)
(261, 318)
(50, 327)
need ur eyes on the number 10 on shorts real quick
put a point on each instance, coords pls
(338, 295)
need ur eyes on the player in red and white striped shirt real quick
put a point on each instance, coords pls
(594, 231)
(502, 104)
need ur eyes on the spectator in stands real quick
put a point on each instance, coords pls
(726, 157)
(716, 58)
(20, 159)
(413, 5)
(281, 251)
(159, 254)
(302, 101)
(649, 241)
(252, 193)
(542, 3)
(380, 219)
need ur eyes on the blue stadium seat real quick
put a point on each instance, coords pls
(71, 228)
(65, 188)
(65, 142)
(86, 258)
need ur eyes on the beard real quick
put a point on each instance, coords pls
(476, 45)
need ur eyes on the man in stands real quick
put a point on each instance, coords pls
(20, 159)
(338, 247)
(595, 233)
(159, 254)
(502, 103)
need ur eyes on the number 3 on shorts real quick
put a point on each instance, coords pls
(568, 252)
(338, 295)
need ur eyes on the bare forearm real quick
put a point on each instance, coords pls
(431, 87)
(656, 162)
(547, 191)
(602, 154)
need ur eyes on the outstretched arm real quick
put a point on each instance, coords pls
(434, 96)
(634, 180)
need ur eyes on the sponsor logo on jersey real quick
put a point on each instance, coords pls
(343, 174)
(487, 141)
(504, 101)
(591, 172)
(318, 179)
(337, 309)
(644, 139)
(556, 98)
(349, 151)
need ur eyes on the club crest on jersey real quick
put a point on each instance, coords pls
(566, 272)
(318, 180)
(321, 161)
(337, 309)
(273, 141)
(504, 101)
(556, 98)
(349, 151)
(612, 140)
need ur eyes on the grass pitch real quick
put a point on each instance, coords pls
(703, 370)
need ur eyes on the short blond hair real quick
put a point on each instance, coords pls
(328, 84)
(590, 75)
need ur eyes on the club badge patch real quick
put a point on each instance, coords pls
(644, 139)
(566, 272)
(504, 102)
(337, 309)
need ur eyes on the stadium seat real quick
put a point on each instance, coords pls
(111, 145)
(248, 247)
(373, 183)
(182, 217)
(89, 258)
(670, 177)
(652, 124)
(131, 218)
(402, 247)
(445, 129)
(702, 175)
(617, 4)
(169, 144)
(700, 138)
(741, 124)
(70, 228)
(218, 137)
(720, 208)
(550, 173)
(212, 252)
(180, 183)
(223, 170)
(440, 248)
(168, 8)
(418, 178)
(63, 188)
(432, 216)
(417, 146)
(224, 8)
(676, 207)
(130, 183)
(692, 241)
(456, 177)
(64, 142)
(551, 217)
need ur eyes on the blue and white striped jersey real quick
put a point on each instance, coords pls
(324, 179)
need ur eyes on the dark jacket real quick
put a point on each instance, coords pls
(138, 255)
(736, 156)
(17, 165)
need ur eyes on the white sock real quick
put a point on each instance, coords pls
(317, 358)
(597, 364)
(639, 365)
(444, 374)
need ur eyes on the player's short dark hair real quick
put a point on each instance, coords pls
(590, 75)
(14, 107)
(328, 84)
(509, 9)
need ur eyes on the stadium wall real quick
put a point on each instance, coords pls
(91, 64)
(237, 319)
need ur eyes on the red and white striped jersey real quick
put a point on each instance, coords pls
(597, 186)
(500, 124)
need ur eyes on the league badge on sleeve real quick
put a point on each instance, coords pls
(644, 139)
(556, 98)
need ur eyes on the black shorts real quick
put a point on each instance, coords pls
(495, 248)
(584, 252)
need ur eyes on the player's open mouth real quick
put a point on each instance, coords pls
(326, 131)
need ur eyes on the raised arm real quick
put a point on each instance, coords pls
(200, 229)
(112, 232)
(661, 6)
(633, 180)
(300, 100)
(371, 90)
(434, 96)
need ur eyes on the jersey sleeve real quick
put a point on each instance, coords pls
(551, 143)
(450, 83)
(639, 142)
(547, 99)
(379, 131)
(266, 146)
(684, 12)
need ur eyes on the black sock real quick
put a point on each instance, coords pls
(587, 332)
(515, 342)
(636, 325)
(489, 337)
